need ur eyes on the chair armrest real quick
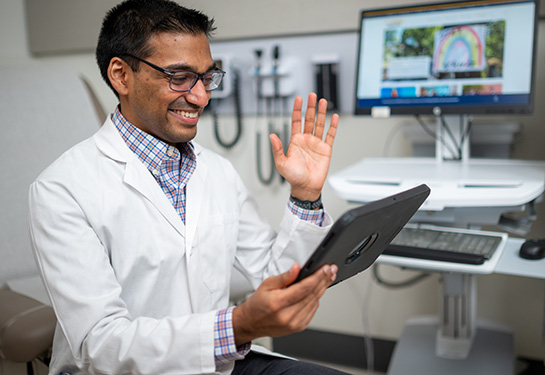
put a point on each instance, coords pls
(26, 327)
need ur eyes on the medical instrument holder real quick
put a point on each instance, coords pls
(273, 87)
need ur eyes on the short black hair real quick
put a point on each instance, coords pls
(128, 26)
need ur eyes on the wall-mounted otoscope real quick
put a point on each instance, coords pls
(271, 90)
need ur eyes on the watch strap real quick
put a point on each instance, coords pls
(307, 205)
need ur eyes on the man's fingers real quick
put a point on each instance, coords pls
(332, 272)
(310, 114)
(315, 118)
(311, 287)
(279, 307)
(304, 304)
(283, 280)
(332, 131)
(277, 150)
(296, 116)
(320, 121)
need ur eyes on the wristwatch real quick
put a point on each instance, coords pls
(307, 205)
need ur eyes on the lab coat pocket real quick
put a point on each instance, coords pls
(215, 248)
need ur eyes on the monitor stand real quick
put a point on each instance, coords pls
(452, 138)
(456, 327)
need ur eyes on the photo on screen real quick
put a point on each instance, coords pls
(444, 52)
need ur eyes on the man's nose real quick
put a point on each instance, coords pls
(198, 95)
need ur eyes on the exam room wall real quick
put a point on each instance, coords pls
(358, 306)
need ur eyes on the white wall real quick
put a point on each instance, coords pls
(514, 301)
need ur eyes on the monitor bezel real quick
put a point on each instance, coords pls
(429, 109)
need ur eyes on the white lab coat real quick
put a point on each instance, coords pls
(134, 289)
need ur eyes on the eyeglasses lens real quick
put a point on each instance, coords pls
(184, 81)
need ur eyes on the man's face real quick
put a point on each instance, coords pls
(152, 106)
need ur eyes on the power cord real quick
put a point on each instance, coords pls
(458, 147)
(401, 284)
(457, 151)
(367, 339)
(391, 136)
(434, 135)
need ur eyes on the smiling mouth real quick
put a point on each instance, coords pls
(186, 113)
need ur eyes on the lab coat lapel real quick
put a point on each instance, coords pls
(136, 174)
(194, 199)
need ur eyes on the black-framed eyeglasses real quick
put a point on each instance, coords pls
(184, 81)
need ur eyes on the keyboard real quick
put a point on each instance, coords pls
(445, 244)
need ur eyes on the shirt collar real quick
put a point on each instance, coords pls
(150, 150)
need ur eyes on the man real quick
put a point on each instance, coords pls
(136, 230)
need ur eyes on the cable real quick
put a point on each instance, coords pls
(367, 339)
(265, 180)
(390, 138)
(467, 130)
(434, 135)
(369, 346)
(278, 104)
(452, 138)
(464, 132)
(238, 114)
(259, 97)
(401, 284)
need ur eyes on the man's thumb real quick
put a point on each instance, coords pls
(284, 279)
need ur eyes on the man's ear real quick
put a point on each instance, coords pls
(119, 74)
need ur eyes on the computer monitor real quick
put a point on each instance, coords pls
(467, 57)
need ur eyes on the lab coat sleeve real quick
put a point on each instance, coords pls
(262, 253)
(102, 335)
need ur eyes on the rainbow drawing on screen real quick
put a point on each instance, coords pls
(459, 49)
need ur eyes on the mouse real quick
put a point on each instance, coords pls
(533, 249)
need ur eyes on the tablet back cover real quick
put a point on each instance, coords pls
(361, 234)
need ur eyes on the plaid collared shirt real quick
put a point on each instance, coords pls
(172, 170)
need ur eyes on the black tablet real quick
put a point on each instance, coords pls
(361, 234)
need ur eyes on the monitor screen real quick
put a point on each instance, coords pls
(467, 57)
